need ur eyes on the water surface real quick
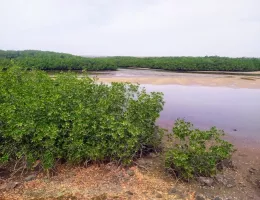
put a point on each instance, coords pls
(237, 111)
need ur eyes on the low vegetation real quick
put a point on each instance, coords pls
(60, 61)
(78, 120)
(75, 120)
(196, 152)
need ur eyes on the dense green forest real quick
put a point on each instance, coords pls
(190, 63)
(46, 60)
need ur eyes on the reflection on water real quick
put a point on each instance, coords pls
(237, 111)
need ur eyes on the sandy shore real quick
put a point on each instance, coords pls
(218, 81)
(162, 77)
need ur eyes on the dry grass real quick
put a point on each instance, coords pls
(95, 182)
(100, 182)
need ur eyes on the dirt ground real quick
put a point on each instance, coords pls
(98, 183)
(146, 179)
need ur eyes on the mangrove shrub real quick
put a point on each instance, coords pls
(74, 119)
(195, 152)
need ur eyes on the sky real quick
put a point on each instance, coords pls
(133, 27)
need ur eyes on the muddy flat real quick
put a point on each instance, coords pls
(158, 77)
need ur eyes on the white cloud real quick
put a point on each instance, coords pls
(133, 27)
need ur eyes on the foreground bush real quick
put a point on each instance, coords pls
(196, 152)
(74, 119)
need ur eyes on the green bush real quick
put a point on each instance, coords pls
(196, 152)
(74, 119)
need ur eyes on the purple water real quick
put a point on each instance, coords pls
(237, 111)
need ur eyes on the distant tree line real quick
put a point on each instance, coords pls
(46, 60)
(212, 63)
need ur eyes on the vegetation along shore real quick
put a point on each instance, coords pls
(45, 60)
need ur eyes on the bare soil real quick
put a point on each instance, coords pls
(146, 179)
